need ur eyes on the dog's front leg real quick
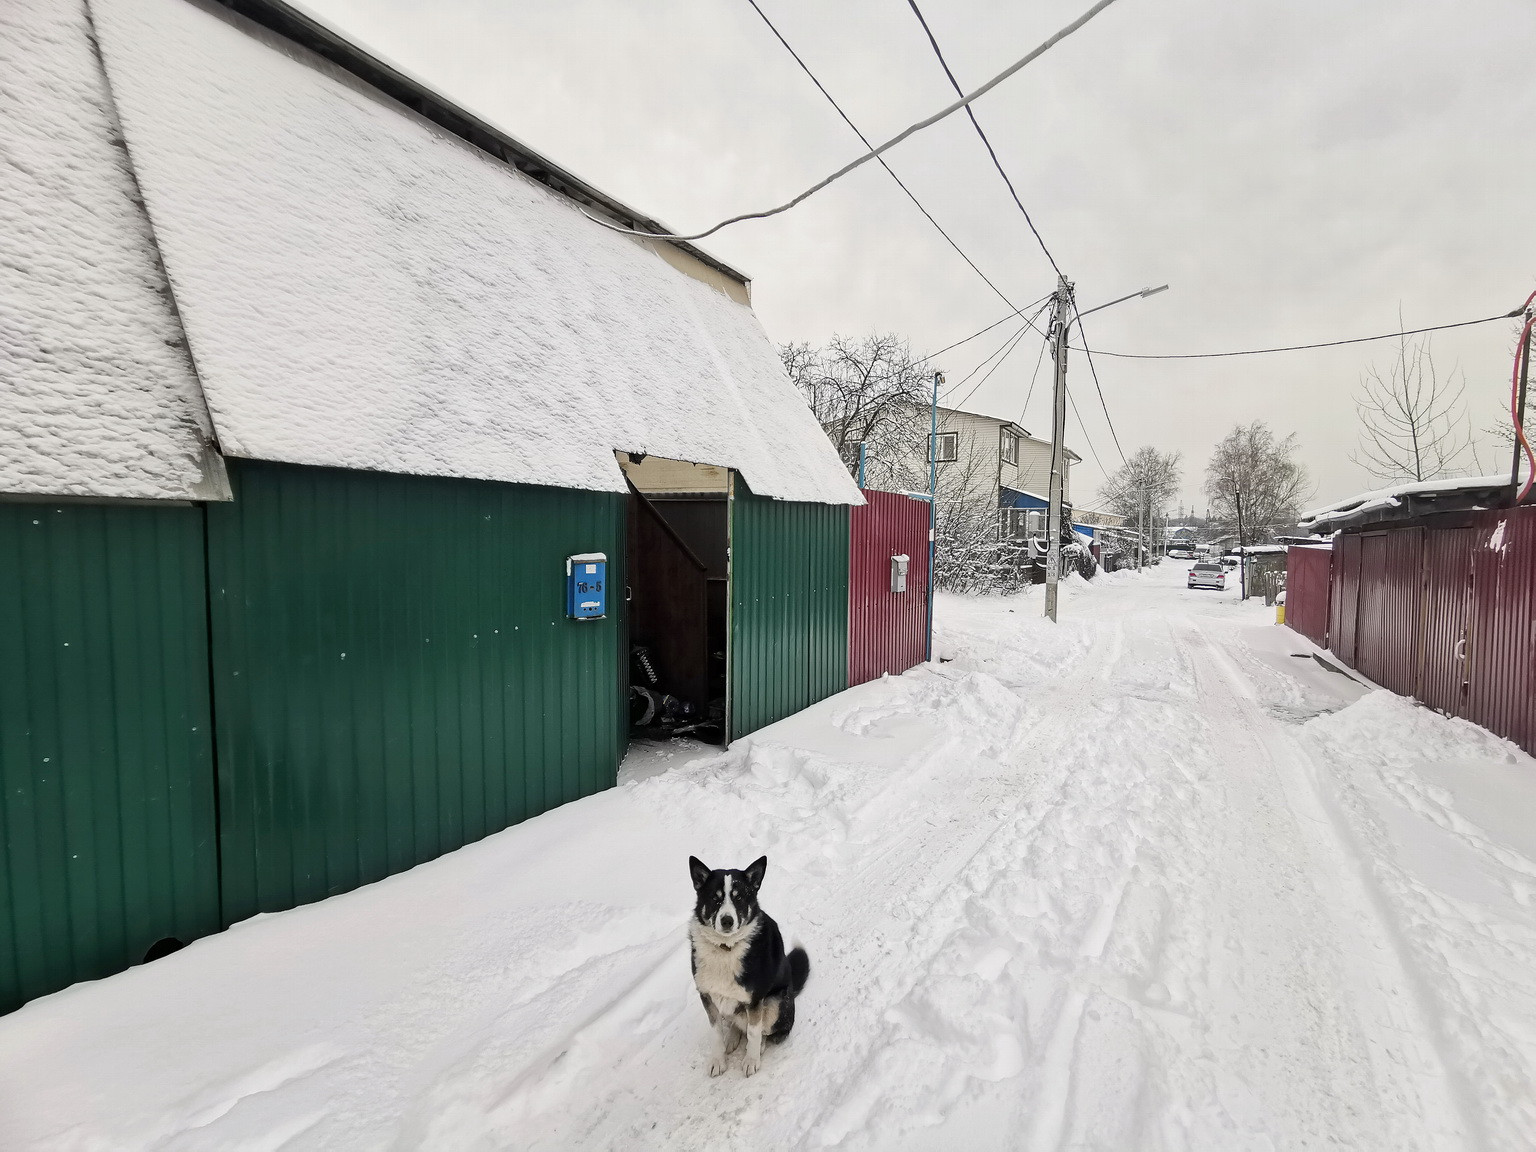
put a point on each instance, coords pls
(723, 1028)
(753, 1060)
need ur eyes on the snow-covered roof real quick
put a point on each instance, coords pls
(361, 288)
(97, 394)
(1385, 498)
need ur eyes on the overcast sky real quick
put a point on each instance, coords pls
(1296, 171)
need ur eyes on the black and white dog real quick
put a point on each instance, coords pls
(746, 981)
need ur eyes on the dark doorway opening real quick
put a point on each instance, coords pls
(678, 544)
(162, 948)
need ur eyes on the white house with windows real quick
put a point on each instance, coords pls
(988, 462)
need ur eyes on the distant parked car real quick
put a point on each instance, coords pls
(1208, 576)
(1179, 552)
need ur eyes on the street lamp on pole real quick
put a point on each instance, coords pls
(1062, 311)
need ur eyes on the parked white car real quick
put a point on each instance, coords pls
(1208, 576)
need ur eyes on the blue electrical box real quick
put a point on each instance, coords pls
(586, 586)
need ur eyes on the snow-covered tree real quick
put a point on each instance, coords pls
(1250, 462)
(868, 390)
(1144, 486)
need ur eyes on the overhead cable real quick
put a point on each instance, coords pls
(1040, 359)
(1096, 385)
(980, 331)
(1019, 339)
(1007, 340)
(1295, 347)
(1003, 349)
(865, 140)
(1083, 428)
(874, 153)
(976, 124)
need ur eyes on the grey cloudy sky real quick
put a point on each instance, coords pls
(1296, 171)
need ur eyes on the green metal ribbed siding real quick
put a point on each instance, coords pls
(789, 607)
(106, 766)
(394, 675)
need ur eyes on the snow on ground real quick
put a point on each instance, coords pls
(1152, 878)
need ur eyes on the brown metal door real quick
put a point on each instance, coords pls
(1447, 600)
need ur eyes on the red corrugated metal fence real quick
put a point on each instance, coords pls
(1308, 586)
(887, 631)
(1501, 641)
(1345, 601)
(1445, 614)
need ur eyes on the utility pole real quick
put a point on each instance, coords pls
(1242, 549)
(1061, 315)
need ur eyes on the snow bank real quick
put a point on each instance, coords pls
(363, 290)
(1393, 496)
(1440, 810)
(97, 395)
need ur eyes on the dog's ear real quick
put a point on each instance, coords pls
(755, 872)
(698, 871)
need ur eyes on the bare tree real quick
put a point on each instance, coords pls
(1412, 422)
(1142, 488)
(1251, 464)
(869, 391)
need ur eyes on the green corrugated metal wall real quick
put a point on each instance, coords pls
(394, 674)
(106, 766)
(789, 607)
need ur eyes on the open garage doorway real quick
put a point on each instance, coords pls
(678, 576)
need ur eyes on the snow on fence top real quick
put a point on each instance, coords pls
(1392, 497)
(97, 395)
(362, 289)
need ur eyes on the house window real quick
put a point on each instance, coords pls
(949, 447)
(1010, 448)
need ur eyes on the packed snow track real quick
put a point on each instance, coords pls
(1152, 878)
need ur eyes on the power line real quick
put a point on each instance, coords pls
(980, 331)
(865, 140)
(976, 124)
(1083, 428)
(1033, 376)
(1029, 322)
(960, 383)
(1019, 339)
(874, 153)
(1096, 386)
(1294, 347)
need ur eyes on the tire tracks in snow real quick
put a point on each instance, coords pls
(1390, 999)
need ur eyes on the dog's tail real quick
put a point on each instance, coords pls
(799, 969)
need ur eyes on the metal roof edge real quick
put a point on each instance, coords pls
(308, 32)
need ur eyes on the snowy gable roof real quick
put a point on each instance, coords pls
(97, 394)
(1360, 508)
(363, 289)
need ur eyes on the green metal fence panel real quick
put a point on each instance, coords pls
(789, 607)
(394, 674)
(107, 830)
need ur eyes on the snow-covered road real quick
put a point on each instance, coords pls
(1151, 878)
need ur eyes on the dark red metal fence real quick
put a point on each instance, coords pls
(1443, 613)
(1345, 599)
(887, 630)
(1501, 636)
(1308, 585)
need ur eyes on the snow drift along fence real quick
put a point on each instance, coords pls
(887, 631)
(1308, 585)
(1445, 613)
